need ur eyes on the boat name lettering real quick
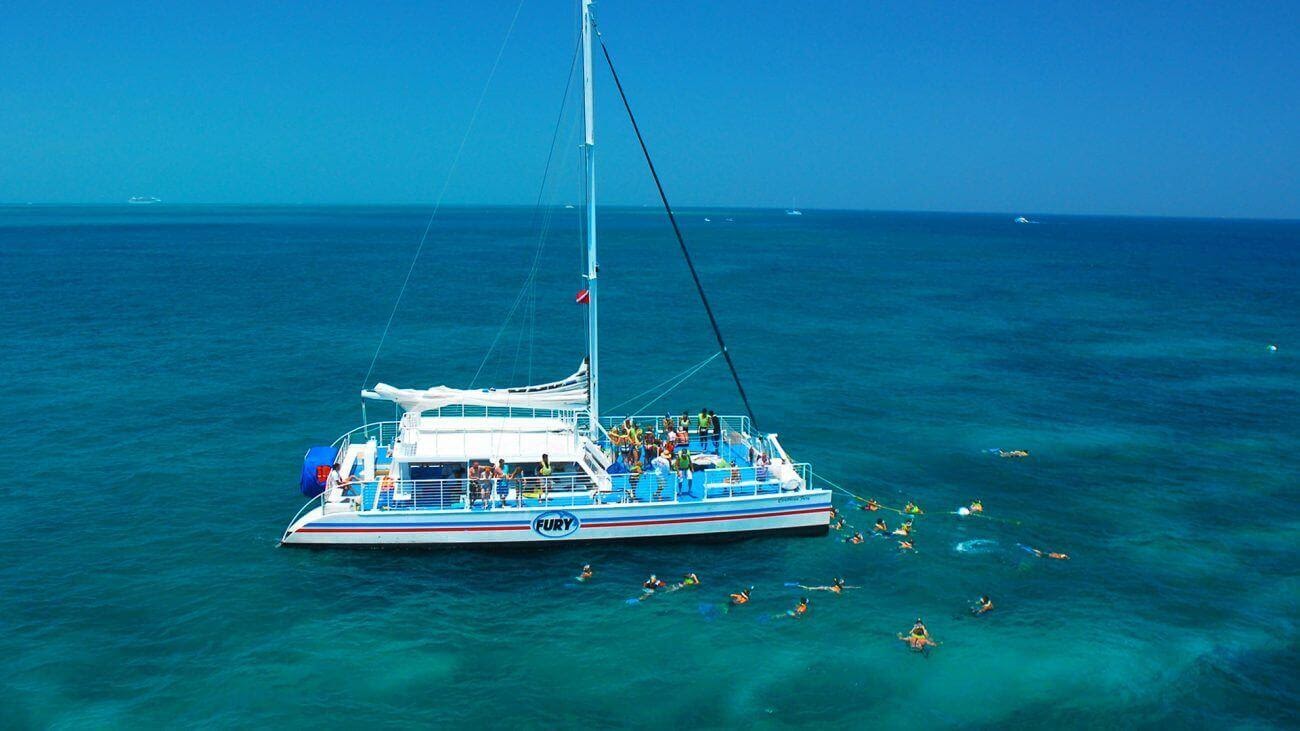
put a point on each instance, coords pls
(556, 524)
(794, 499)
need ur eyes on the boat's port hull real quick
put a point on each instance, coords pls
(804, 513)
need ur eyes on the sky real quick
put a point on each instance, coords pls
(1135, 108)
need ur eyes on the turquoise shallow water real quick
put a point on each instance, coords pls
(166, 368)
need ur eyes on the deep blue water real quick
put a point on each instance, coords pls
(165, 368)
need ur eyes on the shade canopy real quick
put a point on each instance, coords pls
(570, 393)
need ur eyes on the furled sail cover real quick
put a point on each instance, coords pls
(570, 393)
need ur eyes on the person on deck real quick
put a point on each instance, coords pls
(716, 423)
(336, 486)
(683, 459)
(703, 429)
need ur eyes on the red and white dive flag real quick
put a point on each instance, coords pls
(583, 297)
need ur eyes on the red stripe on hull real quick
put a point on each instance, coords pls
(701, 519)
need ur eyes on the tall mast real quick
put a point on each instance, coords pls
(589, 167)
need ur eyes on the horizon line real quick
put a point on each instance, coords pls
(627, 206)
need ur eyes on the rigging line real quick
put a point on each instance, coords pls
(670, 379)
(673, 387)
(546, 225)
(722, 345)
(442, 193)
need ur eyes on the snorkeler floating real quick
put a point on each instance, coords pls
(1015, 453)
(800, 609)
(911, 508)
(985, 604)
(904, 529)
(837, 586)
(855, 538)
(918, 638)
(1050, 554)
(586, 572)
(688, 580)
(906, 546)
(742, 597)
(870, 505)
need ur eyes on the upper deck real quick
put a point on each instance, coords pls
(384, 459)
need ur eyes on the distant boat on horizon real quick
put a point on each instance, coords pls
(141, 200)
(793, 210)
(1022, 219)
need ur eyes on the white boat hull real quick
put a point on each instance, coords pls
(805, 512)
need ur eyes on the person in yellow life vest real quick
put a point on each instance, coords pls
(870, 505)
(690, 580)
(912, 509)
(976, 506)
(682, 460)
(545, 469)
(919, 637)
(904, 529)
(800, 609)
(742, 597)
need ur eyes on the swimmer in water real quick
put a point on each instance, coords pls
(904, 529)
(985, 605)
(834, 513)
(880, 526)
(653, 584)
(976, 506)
(906, 546)
(586, 572)
(1013, 453)
(690, 580)
(839, 524)
(871, 505)
(837, 586)
(855, 538)
(918, 641)
(1051, 554)
(911, 509)
(741, 598)
(800, 609)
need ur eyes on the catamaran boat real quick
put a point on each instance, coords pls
(539, 464)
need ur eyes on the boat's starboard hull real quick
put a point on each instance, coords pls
(803, 513)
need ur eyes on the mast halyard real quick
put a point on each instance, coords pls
(589, 168)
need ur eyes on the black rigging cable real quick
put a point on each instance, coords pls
(681, 241)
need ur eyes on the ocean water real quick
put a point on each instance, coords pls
(165, 368)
